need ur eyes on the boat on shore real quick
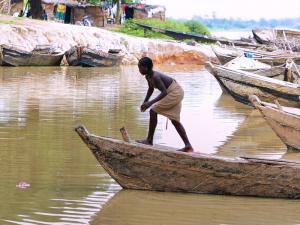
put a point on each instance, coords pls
(156, 168)
(282, 38)
(40, 56)
(177, 35)
(288, 71)
(241, 84)
(285, 121)
(273, 58)
(83, 56)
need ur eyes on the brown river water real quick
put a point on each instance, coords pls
(64, 184)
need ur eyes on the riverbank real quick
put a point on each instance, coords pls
(27, 33)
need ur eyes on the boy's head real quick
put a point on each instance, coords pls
(145, 65)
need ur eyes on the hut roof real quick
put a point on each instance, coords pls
(71, 3)
(146, 7)
(67, 2)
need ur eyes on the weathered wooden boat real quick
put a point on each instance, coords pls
(143, 167)
(282, 38)
(285, 121)
(73, 56)
(225, 55)
(240, 84)
(13, 56)
(177, 35)
(254, 66)
(274, 58)
(83, 56)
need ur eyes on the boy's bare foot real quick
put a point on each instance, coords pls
(186, 149)
(145, 142)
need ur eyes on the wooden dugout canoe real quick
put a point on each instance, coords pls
(13, 56)
(240, 84)
(284, 121)
(143, 167)
(273, 58)
(282, 38)
(177, 35)
(83, 56)
(254, 66)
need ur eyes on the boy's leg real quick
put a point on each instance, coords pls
(181, 131)
(152, 126)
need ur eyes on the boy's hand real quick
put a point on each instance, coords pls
(145, 106)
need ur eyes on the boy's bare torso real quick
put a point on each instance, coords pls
(157, 77)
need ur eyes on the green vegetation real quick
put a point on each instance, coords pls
(8, 22)
(94, 2)
(191, 26)
(197, 27)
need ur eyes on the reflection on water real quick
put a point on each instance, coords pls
(253, 137)
(39, 108)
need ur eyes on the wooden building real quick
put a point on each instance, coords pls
(142, 11)
(10, 7)
(76, 11)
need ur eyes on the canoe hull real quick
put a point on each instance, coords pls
(285, 124)
(240, 84)
(81, 56)
(14, 57)
(225, 55)
(136, 166)
(282, 38)
(73, 56)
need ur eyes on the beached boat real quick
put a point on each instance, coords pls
(282, 38)
(143, 167)
(83, 56)
(254, 66)
(225, 55)
(177, 35)
(285, 121)
(40, 56)
(240, 84)
(274, 58)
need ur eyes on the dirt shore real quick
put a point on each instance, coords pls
(27, 33)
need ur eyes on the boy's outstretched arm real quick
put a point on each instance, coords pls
(149, 93)
(163, 92)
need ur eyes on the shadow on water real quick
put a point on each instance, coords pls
(253, 136)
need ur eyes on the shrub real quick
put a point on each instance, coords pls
(196, 27)
(130, 27)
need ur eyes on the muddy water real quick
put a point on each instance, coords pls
(63, 183)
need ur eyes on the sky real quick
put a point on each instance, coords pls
(243, 9)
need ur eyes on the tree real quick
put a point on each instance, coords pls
(36, 9)
(119, 11)
(197, 27)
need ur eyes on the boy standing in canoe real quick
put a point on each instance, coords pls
(167, 103)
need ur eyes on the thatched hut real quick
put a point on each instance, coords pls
(10, 6)
(75, 12)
